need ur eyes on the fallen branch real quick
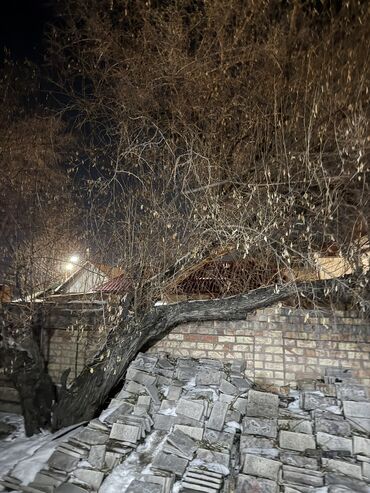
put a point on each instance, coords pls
(88, 393)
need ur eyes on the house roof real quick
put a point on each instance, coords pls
(223, 276)
(118, 285)
(106, 271)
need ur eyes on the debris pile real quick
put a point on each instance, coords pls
(218, 432)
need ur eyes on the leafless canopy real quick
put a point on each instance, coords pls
(200, 129)
(220, 123)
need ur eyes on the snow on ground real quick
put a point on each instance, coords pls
(137, 464)
(25, 456)
(14, 420)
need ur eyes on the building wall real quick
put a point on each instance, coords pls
(69, 348)
(9, 397)
(86, 280)
(280, 345)
(70, 335)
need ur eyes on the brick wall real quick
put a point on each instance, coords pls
(69, 348)
(279, 345)
(9, 397)
(70, 336)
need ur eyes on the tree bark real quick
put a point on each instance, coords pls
(89, 392)
(34, 385)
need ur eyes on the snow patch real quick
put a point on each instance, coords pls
(171, 411)
(190, 385)
(233, 425)
(334, 409)
(25, 456)
(136, 465)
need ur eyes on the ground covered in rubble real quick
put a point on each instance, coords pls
(190, 425)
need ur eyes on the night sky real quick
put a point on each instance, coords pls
(22, 23)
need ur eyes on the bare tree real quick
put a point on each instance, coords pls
(38, 221)
(206, 127)
(215, 125)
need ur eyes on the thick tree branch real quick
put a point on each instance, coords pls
(92, 387)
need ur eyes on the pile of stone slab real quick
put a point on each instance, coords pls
(200, 413)
(219, 433)
(319, 443)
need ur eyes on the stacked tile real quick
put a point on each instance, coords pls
(149, 483)
(259, 468)
(205, 402)
(219, 433)
(196, 479)
(82, 462)
(327, 461)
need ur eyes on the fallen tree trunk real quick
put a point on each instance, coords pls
(89, 391)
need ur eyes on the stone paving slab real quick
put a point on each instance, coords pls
(125, 433)
(253, 444)
(207, 376)
(261, 467)
(294, 459)
(163, 422)
(218, 414)
(204, 478)
(92, 437)
(240, 405)
(170, 463)
(361, 445)
(193, 432)
(301, 476)
(97, 456)
(226, 435)
(242, 384)
(228, 388)
(352, 485)
(297, 425)
(183, 442)
(346, 468)
(137, 486)
(190, 409)
(332, 427)
(70, 488)
(62, 462)
(191, 487)
(356, 409)
(91, 478)
(313, 400)
(351, 392)
(264, 427)
(296, 441)
(332, 442)
(219, 438)
(174, 392)
(262, 404)
(246, 484)
(153, 392)
(214, 457)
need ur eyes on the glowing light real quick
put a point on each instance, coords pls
(74, 259)
(69, 266)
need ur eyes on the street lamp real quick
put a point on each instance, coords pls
(69, 266)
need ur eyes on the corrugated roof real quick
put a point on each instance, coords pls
(226, 277)
(118, 285)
